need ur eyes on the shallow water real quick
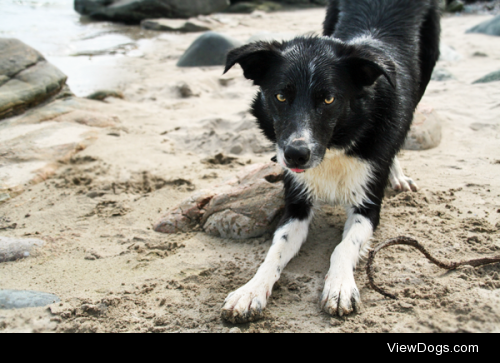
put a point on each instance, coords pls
(88, 52)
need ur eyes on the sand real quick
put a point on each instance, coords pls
(114, 274)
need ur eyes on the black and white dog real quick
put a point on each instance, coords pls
(338, 108)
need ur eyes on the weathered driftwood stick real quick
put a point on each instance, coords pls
(402, 240)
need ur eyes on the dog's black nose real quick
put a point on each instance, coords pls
(297, 154)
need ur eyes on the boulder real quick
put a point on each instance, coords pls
(489, 27)
(175, 25)
(490, 77)
(134, 11)
(12, 249)
(246, 206)
(425, 132)
(56, 125)
(14, 299)
(210, 49)
(26, 78)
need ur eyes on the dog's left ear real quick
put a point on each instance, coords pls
(255, 58)
(367, 65)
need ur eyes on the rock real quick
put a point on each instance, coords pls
(441, 74)
(103, 94)
(26, 78)
(448, 54)
(235, 330)
(490, 77)
(490, 27)
(242, 8)
(15, 299)
(455, 6)
(210, 49)
(247, 206)
(12, 249)
(134, 11)
(425, 132)
(174, 25)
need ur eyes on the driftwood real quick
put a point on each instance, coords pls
(402, 240)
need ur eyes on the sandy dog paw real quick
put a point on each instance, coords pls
(403, 184)
(246, 304)
(340, 296)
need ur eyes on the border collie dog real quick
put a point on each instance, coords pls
(338, 108)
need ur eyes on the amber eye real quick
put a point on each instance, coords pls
(280, 97)
(329, 100)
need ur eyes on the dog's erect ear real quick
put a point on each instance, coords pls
(367, 65)
(255, 59)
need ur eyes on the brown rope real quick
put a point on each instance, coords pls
(403, 240)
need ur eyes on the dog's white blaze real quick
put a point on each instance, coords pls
(338, 179)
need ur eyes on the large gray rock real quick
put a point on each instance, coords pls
(134, 11)
(12, 249)
(26, 78)
(247, 206)
(210, 49)
(14, 299)
(490, 27)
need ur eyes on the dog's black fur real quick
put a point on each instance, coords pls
(375, 58)
(375, 113)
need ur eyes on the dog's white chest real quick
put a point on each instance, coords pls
(338, 179)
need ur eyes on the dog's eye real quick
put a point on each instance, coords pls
(329, 100)
(280, 97)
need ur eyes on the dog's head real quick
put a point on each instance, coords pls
(308, 87)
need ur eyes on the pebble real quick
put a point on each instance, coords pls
(17, 299)
(441, 74)
(235, 331)
(12, 249)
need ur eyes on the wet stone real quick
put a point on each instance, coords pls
(489, 27)
(490, 77)
(210, 49)
(17, 299)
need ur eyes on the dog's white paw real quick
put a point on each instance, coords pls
(402, 183)
(341, 295)
(247, 303)
(399, 181)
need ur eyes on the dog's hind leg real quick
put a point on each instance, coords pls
(399, 181)
(341, 295)
(248, 302)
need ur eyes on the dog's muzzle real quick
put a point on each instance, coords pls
(297, 155)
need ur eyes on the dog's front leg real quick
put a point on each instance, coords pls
(341, 295)
(248, 302)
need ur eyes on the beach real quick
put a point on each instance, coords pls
(101, 254)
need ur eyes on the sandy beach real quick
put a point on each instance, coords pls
(95, 214)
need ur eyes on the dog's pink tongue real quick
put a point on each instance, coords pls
(297, 170)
